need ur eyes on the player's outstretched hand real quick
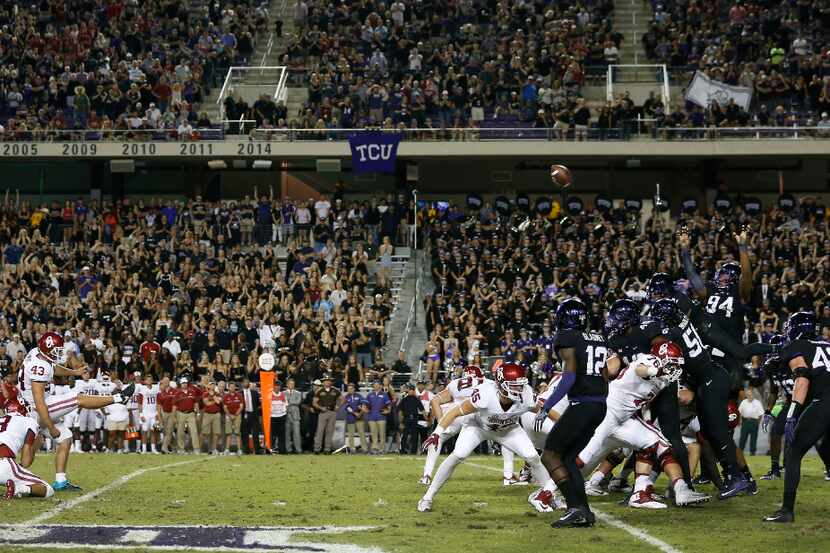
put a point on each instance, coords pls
(54, 432)
(766, 421)
(683, 238)
(789, 430)
(433, 441)
(539, 421)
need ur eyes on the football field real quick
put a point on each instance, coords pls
(354, 504)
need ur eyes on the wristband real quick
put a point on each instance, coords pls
(439, 430)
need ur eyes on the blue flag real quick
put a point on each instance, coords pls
(374, 152)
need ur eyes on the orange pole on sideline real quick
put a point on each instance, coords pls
(266, 386)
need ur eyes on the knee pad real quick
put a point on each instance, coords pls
(647, 455)
(616, 457)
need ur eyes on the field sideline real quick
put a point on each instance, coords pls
(377, 494)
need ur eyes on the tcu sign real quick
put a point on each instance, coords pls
(374, 152)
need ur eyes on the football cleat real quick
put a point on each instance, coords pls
(775, 475)
(781, 515)
(65, 486)
(513, 481)
(701, 481)
(426, 480)
(686, 497)
(753, 487)
(594, 491)
(644, 499)
(425, 505)
(574, 518)
(126, 394)
(9, 490)
(827, 475)
(541, 500)
(734, 486)
(618, 484)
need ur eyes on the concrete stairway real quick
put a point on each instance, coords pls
(631, 18)
(261, 56)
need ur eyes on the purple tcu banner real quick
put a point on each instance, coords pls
(374, 152)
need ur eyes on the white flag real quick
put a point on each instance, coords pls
(703, 91)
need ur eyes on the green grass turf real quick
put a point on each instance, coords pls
(473, 512)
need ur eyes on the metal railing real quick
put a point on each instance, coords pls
(639, 129)
(641, 74)
(635, 130)
(252, 81)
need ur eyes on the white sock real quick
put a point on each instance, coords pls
(596, 478)
(432, 458)
(78, 445)
(126, 445)
(642, 482)
(507, 456)
(154, 447)
(540, 473)
(550, 485)
(23, 490)
(444, 472)
(60, 477)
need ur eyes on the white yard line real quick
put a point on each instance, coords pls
(638, 533)
(72, 503)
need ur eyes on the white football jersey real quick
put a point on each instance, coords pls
(489, 413)
(563, 403)
(149, 398)
(35, 369)
(14, 430)
(117, 412)
(136, 397)
(629, 392)
(88, 387)
(461, 388)
(426, 397)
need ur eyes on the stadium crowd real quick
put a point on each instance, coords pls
(121, 65)
(497, 281)
(198, 290)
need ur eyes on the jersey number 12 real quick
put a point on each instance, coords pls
(597, 356)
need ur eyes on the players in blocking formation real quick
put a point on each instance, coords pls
(40, 366)
(495, 408)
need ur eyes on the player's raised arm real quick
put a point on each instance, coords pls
(695, 279)
(746, 267)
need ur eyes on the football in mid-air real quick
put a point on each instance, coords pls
(560, 176)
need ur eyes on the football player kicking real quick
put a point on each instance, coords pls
(623, 426)
(808, 418)
(40, 366)
(17, 436)
(495, 408)
(454, 394)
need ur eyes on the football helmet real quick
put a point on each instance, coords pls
(571, 315)
(473, 371)
(800, 325)
(667, 312)
(50, 345)
(623, 314)
(671, 359)
(511, 380)
(727, 276)
(659, 286)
